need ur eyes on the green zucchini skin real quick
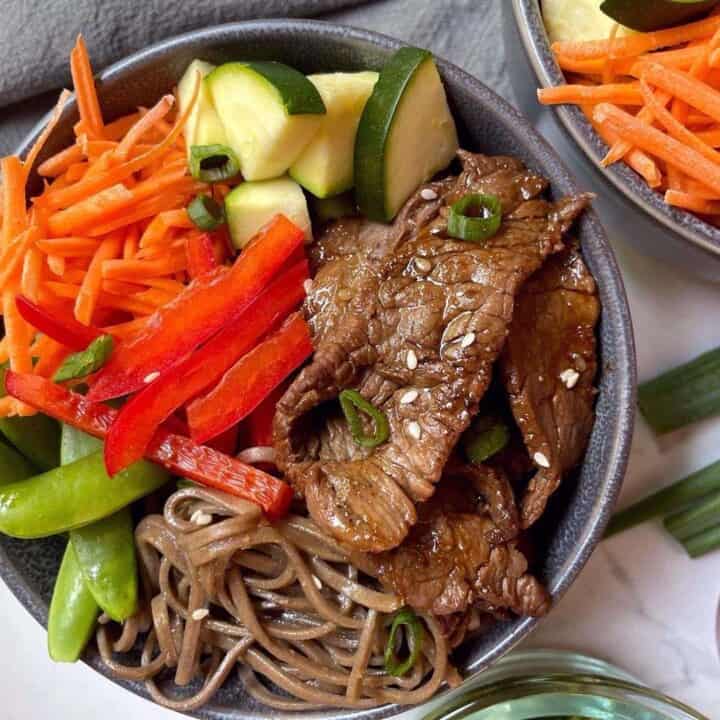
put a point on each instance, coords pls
(649, 15)
(299, 95)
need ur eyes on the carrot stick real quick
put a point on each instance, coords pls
(167, 284)
(681, 85)
(689, 201)
(709, 137)
(14, 212)
(91, 185)
(633, 45)
(641, 163)
(17, 333)
(178, 195)
(11, 259)
(68, 246)
(117, 129)
(656, 143)
(120, 287)
(130, 270)
(674, 126)
(618, 93)
(147, 121)
(155, 296)
(60, 162)
(32, 274)
(89, 293)
(162, 222)
(60, 289)
(128, 303)
(87, 99)
(46, 132)
(106, 204)
(130, 246)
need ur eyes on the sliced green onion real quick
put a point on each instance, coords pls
(486, 436)
(671, 499)
(703, 543)
(414, 635)
(206, 213)
(351, 401)
(683, 395)
(90, 360)
(213, 163)
(699, 517)
(475, 217)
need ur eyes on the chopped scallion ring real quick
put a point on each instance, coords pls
(205, 213)
(486, 437)
(414, 635)
(351, 401)
(213, 163)
(475, 217)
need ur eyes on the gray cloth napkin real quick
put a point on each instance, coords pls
(466, 32)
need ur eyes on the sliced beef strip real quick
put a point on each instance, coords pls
(549, 365)
(395, 315)
(447, 564)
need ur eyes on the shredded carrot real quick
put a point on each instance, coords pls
(12, 258)
(14, 212)
(131, 244)
(18, 335)
(690, 201)
(130, 270)
(56, 264)
(147, 121)
(32, 274)
(634, 45)
(659, 144)
(68, 246)
(617, 93)
(87, 99)
(90, 289)
(117, 129)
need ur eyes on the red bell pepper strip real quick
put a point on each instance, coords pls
(250, 380)
(141, 416)
(200, 252)
(197, 313)
(66, 330)
(178, 454)
(260, 422)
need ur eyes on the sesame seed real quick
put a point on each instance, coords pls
(468, 340)
(151, 377)
(409, 397)
(423, 265)
(414, 430)
(200, 614)
(307, 286)
(428, 194)
(199, 517)
(411, 360)
(317, 581)
(569, 378)
(541, 460)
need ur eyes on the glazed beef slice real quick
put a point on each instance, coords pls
(549, 365)
(414, 320)
(449, 562)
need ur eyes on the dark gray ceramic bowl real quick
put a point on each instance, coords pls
(660, 230)
(488, 124)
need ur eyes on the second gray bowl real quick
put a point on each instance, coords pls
(665, 232)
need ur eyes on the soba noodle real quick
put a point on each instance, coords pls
(281, 603)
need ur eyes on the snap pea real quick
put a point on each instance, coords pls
(13, 465)
(105, 549)
(106, 555)
(37, 437)
(73, 611)
(73, 495)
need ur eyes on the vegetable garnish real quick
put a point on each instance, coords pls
(414, 636)
(199, 311)
(672, 499)
(250, 380)
(351, 401)
(63, 329)
(178, 454)
(86, 362)
(143, 413)
(683, 395)
(206, 213)
(213, 163)
(200, 252)
(475, 217)
(696, 519)
(703, 543)
(486, 437)
(670, 139)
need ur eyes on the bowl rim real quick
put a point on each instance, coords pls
(616, 448)
(620, 178)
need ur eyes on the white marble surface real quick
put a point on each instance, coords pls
(639, 602)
